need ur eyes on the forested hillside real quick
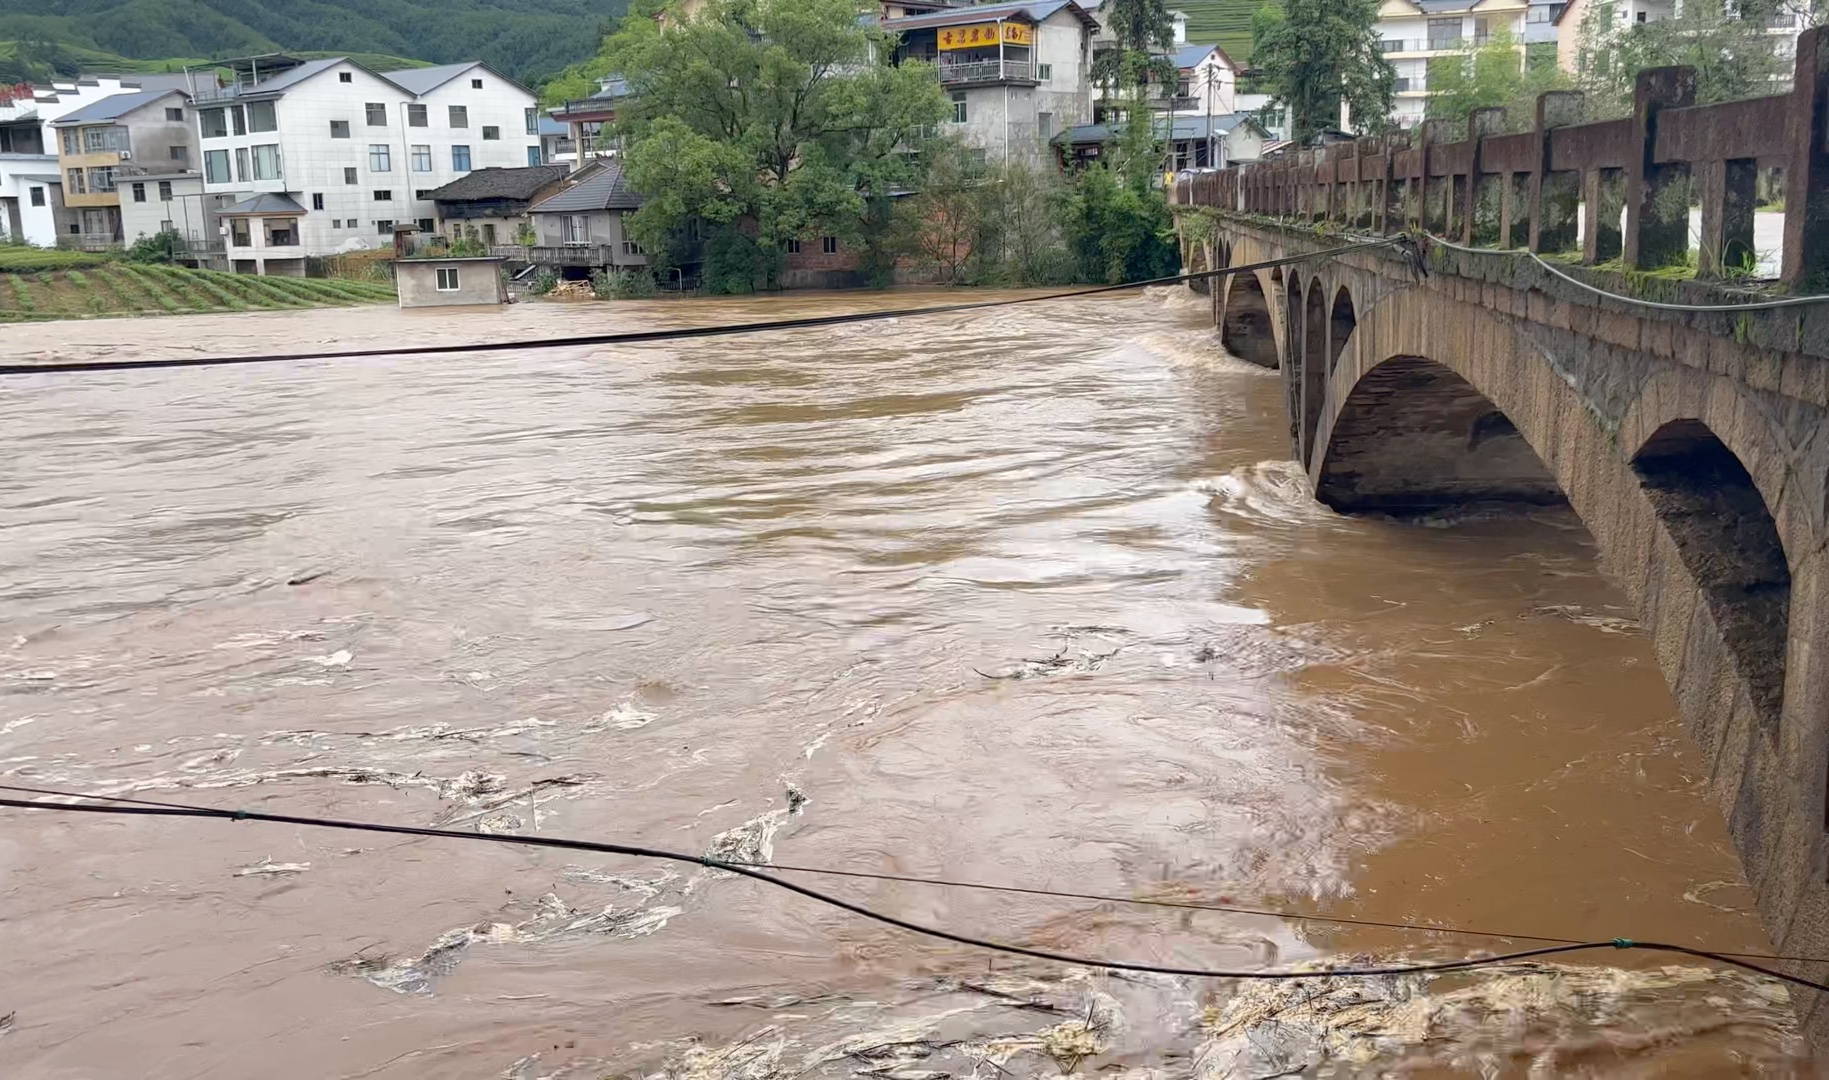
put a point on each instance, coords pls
(527, 39)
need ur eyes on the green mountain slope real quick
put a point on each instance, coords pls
(1226, 23)
(527, 39)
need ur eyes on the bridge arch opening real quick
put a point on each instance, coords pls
(1727, 539)
(1246, 331)
(1413, 437)
(1314, 367)
(1340, 327)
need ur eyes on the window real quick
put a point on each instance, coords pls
(240, 122)
(377, 114)
(828, 244)
(239, 233)
(215, 123)
(241, 164)
(336, 223)
(1044, 125)
(422, 193)
(533, 121)
(577, 229)
(101, 179)
(181, 153)
(384, 194)
(384, 228)
(380, 158)
(427, 225)
(165, 191)
(281, 231)
(460, 158)
(176, 116)
(1444, 33)
(476, 84)
(261, 117)
(166, 226)
(959, 107)
(216, 166)
(266, 162)
(422, 158)
(139, 193)
(488, 232)
(346, 76)
(447, 279)
(1538, 13)
(491, 133)
(37, 196)
(75, 229)
(460, 116)
(72, 141)
(350, 177)
(1044, 72)
(102, 140)
(630, 247)
(415, 116)
(317, 200)
(792, 247)
(533, 155)
(339, 129)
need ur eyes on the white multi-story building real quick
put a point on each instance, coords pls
(1414, 33)
(1017, 73)
(31, 185)
(330, 156)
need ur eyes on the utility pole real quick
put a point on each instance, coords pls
(1209, 96)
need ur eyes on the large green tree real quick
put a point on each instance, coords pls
(1723, 40)
(764, 121)
(1143, 32)
(1493, 75)
(1314, 55)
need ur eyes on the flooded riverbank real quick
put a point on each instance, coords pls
(1025, 596)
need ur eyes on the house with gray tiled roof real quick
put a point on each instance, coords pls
(359, 151)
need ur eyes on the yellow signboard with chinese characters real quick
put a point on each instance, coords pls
(983, 35)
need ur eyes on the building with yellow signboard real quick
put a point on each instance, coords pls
(1017, 73)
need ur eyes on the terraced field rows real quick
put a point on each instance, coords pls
(133, 289)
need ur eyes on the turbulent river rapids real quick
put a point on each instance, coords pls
(1027, 596)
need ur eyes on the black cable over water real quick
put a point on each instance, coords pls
(677, 334)
(145, 808)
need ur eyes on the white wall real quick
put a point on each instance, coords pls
(1006, 120)
(314, 163)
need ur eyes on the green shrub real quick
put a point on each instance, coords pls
(543, 282)
(616, 284)
(161, 247)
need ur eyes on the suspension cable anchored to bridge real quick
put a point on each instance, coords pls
(641, 337)
(116, 805)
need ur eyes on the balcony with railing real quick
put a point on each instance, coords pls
(965, 72)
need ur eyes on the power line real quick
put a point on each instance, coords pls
(677, 334)
(1751, 305)
(144, 808)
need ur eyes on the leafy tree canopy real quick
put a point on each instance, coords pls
(1489, 76)
(1315, 55)
(1724, 40)
(767, 120)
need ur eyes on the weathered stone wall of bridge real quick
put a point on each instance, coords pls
(1692, 445)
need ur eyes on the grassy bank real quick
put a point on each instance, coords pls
(69, 288)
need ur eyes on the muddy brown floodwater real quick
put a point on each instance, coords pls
(1026, 596)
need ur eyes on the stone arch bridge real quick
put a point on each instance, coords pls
(1691, 443)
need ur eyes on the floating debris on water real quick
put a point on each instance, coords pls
(268, 868)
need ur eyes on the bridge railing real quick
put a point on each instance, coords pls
(1560, 187)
